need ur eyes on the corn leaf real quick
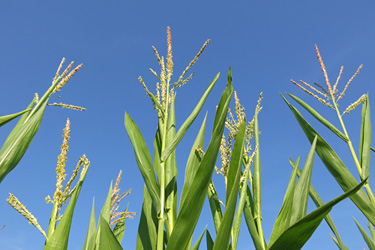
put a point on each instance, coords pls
(7, 118)
(256, 171)
(193, 161)
(283, 219)
(60, 237)
(209, 241)
(185, 126)
(119, 229)
(240, 209)
(192, 207)
(215, 205)
(318, 203)
(147, 229)
(298, 234)
(105, 238)
(157, 150)
(365, 141)
(336, 167)
(234, 175)
(143, 160)
(91, 231)
(320, 118)
(372, 230)
(197, 244)
(249, 218)
(18, 142)
(367, 238)
(301, 192)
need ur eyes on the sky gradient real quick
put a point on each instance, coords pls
(266, 44)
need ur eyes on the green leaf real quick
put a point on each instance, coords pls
(256, 171)
(215, 205)
(185, 126)
(193, 161)
(301, 192)
(249, 218)
(91, 231)
(18, 142)
(147, 229)
(336, 167)
(318, 203)
(298, 234)
(143, 160)
(283, 220)
(367, 238)
(240, 209)
(320, 118)
(209, 241)
(7, 118)
(197, 244)
(372, 230)
(192, 207)
(119, 229)
(105, 238)
(233, 180)
(60, 237)
(365, 142)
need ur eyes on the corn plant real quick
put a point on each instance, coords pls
(23, 133)
(57, 234)
(162, 225)
(109, 232)
(328, 96)
(293, 226)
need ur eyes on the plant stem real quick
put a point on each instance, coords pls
(349, 142)
(160, 242)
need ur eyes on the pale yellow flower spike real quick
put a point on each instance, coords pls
(169, 54)
(350, 80)
(354, 105)
(338, 79)
(312, 94)
(311, 87)
(68, 106)
(66, 78)
(58, 69)
(20, 208)
(324, 70)
(62, 158)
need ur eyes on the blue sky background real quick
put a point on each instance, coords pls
(266, 43)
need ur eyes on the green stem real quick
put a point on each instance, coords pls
(52, 221)
(349, 142)
(160, 242)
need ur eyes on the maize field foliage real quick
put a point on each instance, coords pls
(170, 210)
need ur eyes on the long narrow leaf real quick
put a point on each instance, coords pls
(147, 229)
(17, 143)
(215, 205)
(193, 161)
(185, 126)
(365, 143)
(318, 203)
(7, 118)
(367, 238)
(91, 231)
(336, 167)
(192, 207)
(301, 193)
(197, 244)
(282, 222)
(143, 160)
(234, 175)
(320, 118)
(210, 243)
(298, 234)
(105, 238)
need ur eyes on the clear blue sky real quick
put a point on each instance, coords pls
(266, 43)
